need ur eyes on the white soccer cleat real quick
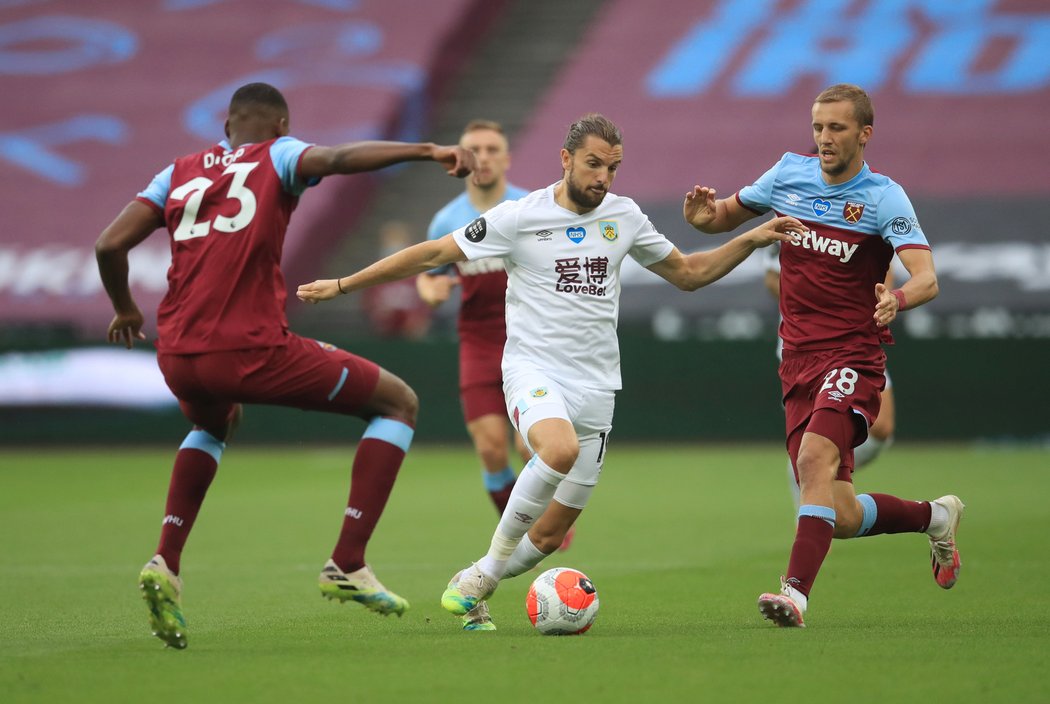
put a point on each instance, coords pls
(467, 590)
(782, 609)
(944, 555)
(361, 586)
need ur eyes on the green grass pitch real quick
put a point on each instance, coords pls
(678, 540)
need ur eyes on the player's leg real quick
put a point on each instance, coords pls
(543, 418)
(195, 466)
(485, 412)
(312, 375)
(880, 435)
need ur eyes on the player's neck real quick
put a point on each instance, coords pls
(562, 198)
(846, 175)
(484, 199)
(240, 139)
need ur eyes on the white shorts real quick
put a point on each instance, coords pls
(533, 397)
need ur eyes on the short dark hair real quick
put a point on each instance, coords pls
(863, 112)
(258, 94)
(592, 123)
(483, 125)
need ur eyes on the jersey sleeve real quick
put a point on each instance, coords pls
(758, 197)
(897, 222)
(649, 245)
(285, 154)
(492, 234)
(156, 192)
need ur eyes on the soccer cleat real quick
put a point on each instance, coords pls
(162, 590)
(781, 608)
(467, 590)
(360, 586)
(478, 619)
(944, 556)
(567, 540)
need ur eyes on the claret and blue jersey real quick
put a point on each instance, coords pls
(828, 274)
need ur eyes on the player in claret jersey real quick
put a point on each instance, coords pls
(223, 338)
(836, 311)
(563, 247)
(482, 323)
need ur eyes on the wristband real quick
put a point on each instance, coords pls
(902, 302)
(339, 285)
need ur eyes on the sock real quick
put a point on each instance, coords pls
(816, 527)
(499, 485)
(533, 490)
(524, 558)
(792, 484)
(938, 520)
(888, 514)
(195, 465)
(376, 464)
(869, 450)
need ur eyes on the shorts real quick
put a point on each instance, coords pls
(482, 400)
(305, 373)
(480, 360)
(848, 383)
(533, 397)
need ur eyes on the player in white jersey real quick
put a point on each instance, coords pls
(563, 247)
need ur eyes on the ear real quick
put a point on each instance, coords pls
(226, 128)
(865, 134)
(283, 127)
(566, 159)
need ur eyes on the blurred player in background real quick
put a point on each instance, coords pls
(880, 434)
(835, 311)
(563, 246)
(223, 338)
(481, 324)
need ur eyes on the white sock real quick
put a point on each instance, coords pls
(867, 451)
(938, 520)
(525, 557)
(793, 484)
(533, 490)
(798, 597)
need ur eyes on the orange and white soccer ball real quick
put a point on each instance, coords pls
(562, 602)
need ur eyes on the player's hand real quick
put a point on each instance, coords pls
(783, 229)
(886, 305)
(435, 289)
(126, 328)
(317, 291)
(699, 208)
(457, 161)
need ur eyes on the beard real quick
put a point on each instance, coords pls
(582, 197)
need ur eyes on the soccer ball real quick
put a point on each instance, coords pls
(562, 602)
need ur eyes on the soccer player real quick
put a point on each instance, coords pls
(223, 338)
(835, 310)
(563, 246)
(482, 319)
(880, 434)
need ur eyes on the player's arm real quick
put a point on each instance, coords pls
(399, 265)
(355, 157)
(920, 288)
(706, 213)
(132, 226)
(692, 271)
(435, 289)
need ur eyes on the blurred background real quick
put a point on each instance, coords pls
(98, 97)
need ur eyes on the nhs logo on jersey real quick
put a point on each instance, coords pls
(821, 207)
(576, 234)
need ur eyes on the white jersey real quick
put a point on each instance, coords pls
(563, 291)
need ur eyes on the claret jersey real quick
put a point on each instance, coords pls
(563, 291)
(227, 212)
(828, 275)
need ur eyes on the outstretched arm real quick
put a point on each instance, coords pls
(399, 265)
(705, 213)
(354, 157)
(693, 271)
(132, 226)
(920, 288)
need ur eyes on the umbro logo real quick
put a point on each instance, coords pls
(544, 235)
(523, 517)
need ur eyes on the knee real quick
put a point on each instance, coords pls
(812, 469)
(406, 405)
(561, 456)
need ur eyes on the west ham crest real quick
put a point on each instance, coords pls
(852, 211)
